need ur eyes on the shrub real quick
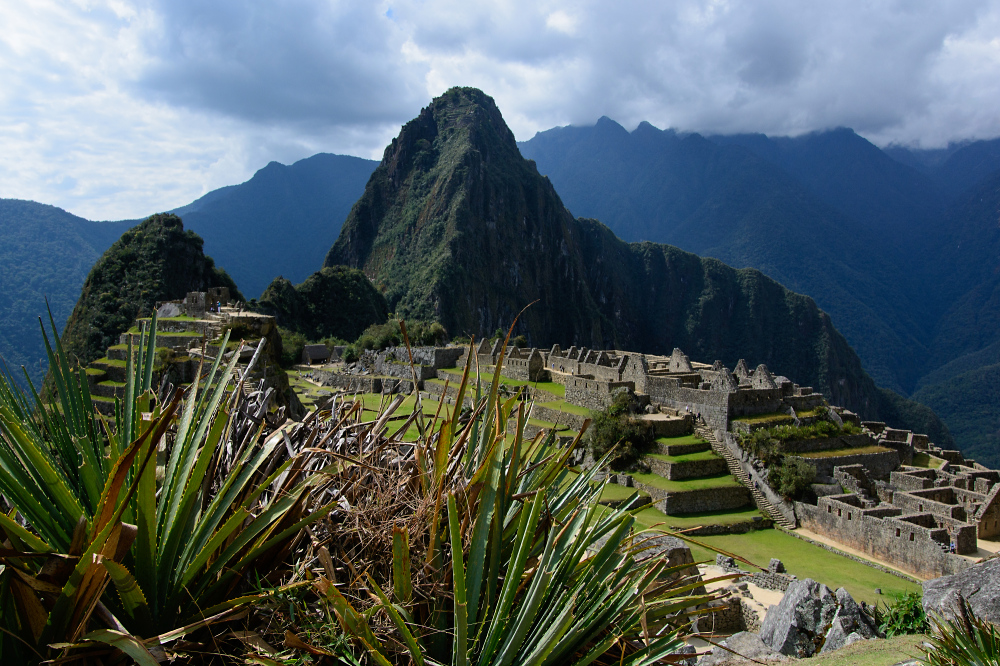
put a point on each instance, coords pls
(389, 334)
(615, 426)
(767, 443)
(791, 476)
(905, 615)
(292, 344)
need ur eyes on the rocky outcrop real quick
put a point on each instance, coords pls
(979, 585)
(811, 618)
(742, 648)
(850, 624)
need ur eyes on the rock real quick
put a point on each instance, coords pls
(797, 625)
(168, 310)
(850, 624)
(979, 585)
(687, 649)
(744, 644)
(776, 566)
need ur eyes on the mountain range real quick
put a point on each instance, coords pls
(895, 244)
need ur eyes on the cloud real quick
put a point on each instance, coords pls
(118, 108)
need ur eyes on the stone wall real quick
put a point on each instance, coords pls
(681, 449)
(883, 533)
(694, 501)
(828, 443)
(712, 405)
(593, 394)
(689, 469)
(879, 465)
(574, 421)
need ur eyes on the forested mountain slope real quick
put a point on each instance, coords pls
(45, 252)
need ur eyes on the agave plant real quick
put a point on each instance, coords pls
(87, 509)
(966, 640)
(476, 546)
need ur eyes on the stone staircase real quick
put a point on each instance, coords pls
(736, 470)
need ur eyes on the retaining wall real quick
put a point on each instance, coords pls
(688, 469)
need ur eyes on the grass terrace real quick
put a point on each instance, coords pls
(563, 406)
(683, 439)
(927, 461)
(836, 453)
(700, 483)
(773, 417)
(614, 492)
(687, 457)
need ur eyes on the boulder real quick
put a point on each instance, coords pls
(850, 624)
(746, 646)
(168, 310)
(797, 625)
(979, 585)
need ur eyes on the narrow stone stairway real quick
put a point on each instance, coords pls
(736, 470)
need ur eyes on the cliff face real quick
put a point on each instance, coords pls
(156, 260)
(456, 226)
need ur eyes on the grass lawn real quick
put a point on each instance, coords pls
(683, 439)
(563, 406)
(656, 481)
(807, 561)
(926, 460)
(873, 653)
(687, 457)
(834, 453)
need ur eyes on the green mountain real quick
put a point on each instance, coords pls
(281, 221)
(157, 260)
(334, 302)
(455, 225)
(751, 202)
(45, 253)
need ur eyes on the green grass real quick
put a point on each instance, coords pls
(100, 398)
(683, 439)
(836, 453)
(94, 371)
(613, 491)
(112, 384)
(687, 457)
(926, 460)
(108, 361)
(806, 560)
(873, 653)
(177, 318)
(563, 406)
(656, 481)
(649, 517)
(775, 417)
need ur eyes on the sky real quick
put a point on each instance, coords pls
(115, 109)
